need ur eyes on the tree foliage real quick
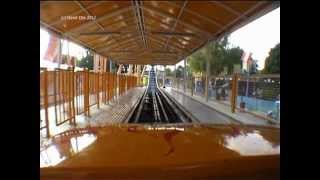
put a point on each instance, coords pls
(179, 72)
(219, 56)
(168, 72)
(232, 57)
(86, 62)
(272, 63)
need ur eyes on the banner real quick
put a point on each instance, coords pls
(246, 61)
(52, 53)
(100, 63)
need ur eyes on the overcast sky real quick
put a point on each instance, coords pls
(257, 37)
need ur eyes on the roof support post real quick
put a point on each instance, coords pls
(175, 76)
(207, 79)
(185, 75)
(164, 76)
(60, 53)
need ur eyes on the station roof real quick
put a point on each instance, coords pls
(148, 32)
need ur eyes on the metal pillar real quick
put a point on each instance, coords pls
(207, 79)
(164, 76)
(247, 85)
(185, 75)
(110, 66)
(234, 92)
(46, 106)
(175, 76)
(60, 53)
(192, 85)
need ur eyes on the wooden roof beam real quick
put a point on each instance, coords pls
(216, 23)
(139, 20)
(101, 18)
(228, 8)
(89, 14)
(125, 47)
(176, 22)
(127, 43)
(144, 61)
(113, 46)
(171, 46)
(218, 36)
(58, 21)
(244, 15)
(163, 14)
(117, 41)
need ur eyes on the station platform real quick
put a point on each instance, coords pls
(214, 112)
(111, 113)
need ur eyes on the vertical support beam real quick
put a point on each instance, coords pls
(95, 57)
(192, 85)
(73, 95)
(69, 94)
(116, 85)
(127, 82)
(108, 86)
(97, 80)
(110, 65)
(175, 76)
(207, 79)
(247, 85)
(119, 69)
(60, 53)
(164, 76)
(68, 56)
(86, 93)
(45, 74)
(234, 92)
(185, 75)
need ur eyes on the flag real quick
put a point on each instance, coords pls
(52, 53)
(246, 61)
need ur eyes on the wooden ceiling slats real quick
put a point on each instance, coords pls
(166, 23)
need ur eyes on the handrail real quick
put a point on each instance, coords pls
(67, 93)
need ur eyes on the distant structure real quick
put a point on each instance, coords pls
(248, 64)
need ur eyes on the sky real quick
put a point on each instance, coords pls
(257, 37)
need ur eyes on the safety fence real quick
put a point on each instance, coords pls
(257, 94)
(64, 94)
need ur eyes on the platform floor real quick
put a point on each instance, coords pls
(111, 113)
(213, 112)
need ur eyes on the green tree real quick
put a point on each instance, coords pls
(219, 56)
(232, 56)
(272, 63)
(179, 71)
(168, 72)
(86, 62)
(197, 62)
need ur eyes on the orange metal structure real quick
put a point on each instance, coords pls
(74, 93)
(146, 32)
(165, 151)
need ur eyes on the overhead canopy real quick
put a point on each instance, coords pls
(148, 32)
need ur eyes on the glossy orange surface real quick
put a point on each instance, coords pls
(146, 151)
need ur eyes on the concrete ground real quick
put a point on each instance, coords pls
(215, 112)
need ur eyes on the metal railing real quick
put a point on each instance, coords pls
(67, 93)
(256, 94)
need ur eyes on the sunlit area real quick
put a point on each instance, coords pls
(128, 88)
